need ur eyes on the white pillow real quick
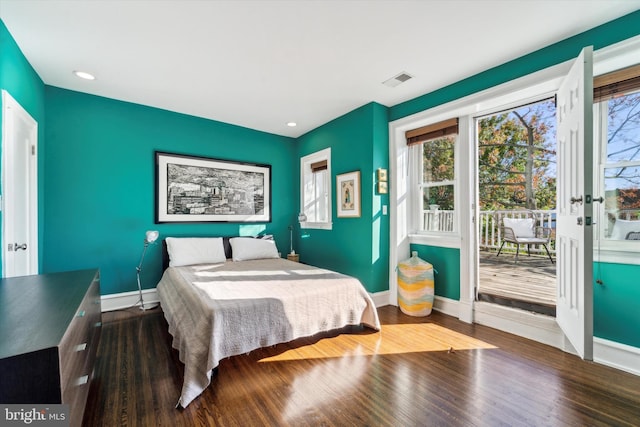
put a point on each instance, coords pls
(247, 248)
(195, 250)
(522, 227)
(622, 227)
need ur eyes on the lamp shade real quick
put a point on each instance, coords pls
(151, 236)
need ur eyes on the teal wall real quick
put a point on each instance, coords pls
(616, 312)
(356, 246)
(21, 81)
(604, 35)
(379, 221)
(100, 178)
(446, 262)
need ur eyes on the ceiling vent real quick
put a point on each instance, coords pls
(396, 80)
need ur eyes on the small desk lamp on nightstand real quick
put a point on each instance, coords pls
(150, 237)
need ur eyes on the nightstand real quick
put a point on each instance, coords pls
(293, 257)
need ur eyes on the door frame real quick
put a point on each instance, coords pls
(12, 116)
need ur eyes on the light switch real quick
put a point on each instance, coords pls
(384, 209)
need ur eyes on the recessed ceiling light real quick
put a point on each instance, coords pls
(84, 75)
(292, 124)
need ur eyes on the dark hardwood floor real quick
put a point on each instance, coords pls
(426, 371)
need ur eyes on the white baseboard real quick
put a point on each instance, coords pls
(123, 300)
(380, 299)
(619, 356)
(446, 306)
(545, 329)
(533, 326)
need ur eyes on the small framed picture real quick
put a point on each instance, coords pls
(382, 187)
(382, 174)
(348, 189)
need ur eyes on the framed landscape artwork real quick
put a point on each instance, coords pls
(348, 189)
(201, 189)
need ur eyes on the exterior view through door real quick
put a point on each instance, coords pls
(517, 201)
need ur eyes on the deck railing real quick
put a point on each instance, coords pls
(437, 220)
(490, 235)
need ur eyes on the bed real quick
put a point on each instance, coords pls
(223, 297)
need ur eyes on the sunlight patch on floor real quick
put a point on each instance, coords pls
(392, 339)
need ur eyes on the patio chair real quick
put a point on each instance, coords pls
(522, 231)
(633, 235)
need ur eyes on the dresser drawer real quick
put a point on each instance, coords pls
(78, 352)
(79, 342)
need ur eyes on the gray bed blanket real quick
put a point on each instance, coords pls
(221, 310)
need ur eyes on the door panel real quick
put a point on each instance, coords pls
(574, 238)
(19, 190)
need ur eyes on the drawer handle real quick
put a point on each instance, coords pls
(81, 314)
(82, 380)
(81, 347)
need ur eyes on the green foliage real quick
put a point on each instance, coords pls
(516, 155)
(438, 167)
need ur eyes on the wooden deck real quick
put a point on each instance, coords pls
(529, 284)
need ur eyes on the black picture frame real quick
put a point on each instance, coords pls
(203, 189)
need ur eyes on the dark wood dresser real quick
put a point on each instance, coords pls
(49, 332)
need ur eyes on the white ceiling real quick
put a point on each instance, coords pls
(261, 64)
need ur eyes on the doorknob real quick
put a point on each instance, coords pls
(17, 247)
(576, 200)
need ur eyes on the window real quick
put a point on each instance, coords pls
(315, 190)
(434, 147)
(618, 114)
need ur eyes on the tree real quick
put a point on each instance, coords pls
(438, 169)
(622, 178)
(516, 154)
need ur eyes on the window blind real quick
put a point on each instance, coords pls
(616, 83)
(319, 166)
(433, 131)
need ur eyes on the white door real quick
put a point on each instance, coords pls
(574, 238)
(19, 190)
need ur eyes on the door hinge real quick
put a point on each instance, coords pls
(33, 150)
